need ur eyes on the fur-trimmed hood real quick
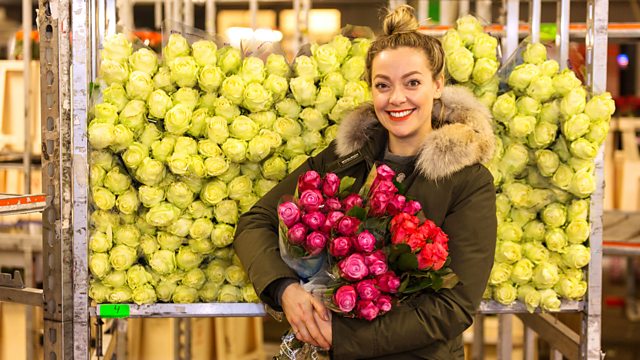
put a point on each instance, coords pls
(465, 138)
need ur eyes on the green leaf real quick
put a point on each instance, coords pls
(357, 212)
(404, 283)
(346, 183)
(424, 284)
(364, 191)
(449, 281)
(402, 190)
(407, 262)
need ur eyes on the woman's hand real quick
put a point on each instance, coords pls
(301, 307)
(325, 327)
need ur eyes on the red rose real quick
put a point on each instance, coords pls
(400, 236)
(353, 268)
(378, 203)
(347, 225)
(367, 310)
(310, 200)
(310, 180)
(332, 204)
(350, 201)
(440, 255)
(331, 221)
(330, 185)
(412, 207)
(289, 213)
(313, 220)
(378, 267)
(297, 234)
(384, 172)
(396, 204)
(409, 222)
(441, 238)
(428, 229)
(367, 289)
(345, 298)
(340, 247)
(426, 257)
(315, 242)
(365, 242)
(383, 302)
(416, 241)
(388, 282)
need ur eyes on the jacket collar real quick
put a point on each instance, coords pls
(465, 138)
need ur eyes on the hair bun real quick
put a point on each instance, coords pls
(400, 20)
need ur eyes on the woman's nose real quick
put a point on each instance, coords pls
(397, 96)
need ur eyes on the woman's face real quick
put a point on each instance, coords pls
(403, 90)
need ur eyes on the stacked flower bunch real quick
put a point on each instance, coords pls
(548, 135)
(181, 146)
(471, 58)
(366, 270)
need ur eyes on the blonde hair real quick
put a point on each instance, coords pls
(400, 28)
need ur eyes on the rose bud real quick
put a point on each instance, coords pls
(310, 200)
(383, 302)
(331, 220)
(396, 204)
(365, 242)
(289, 213)
(350, 201)
(310, 180)
(347, 225)
(340, 247)
(428, 229)
(313, 220)
(367, 289)
(297, 234)
(332, 204)
(315, 242)
(412, 207)
(345, 298)
(353, 268)
(367, 310)
(388, 282)
(378, 267)
(385, 172)
(378, 203)
(375, 256)
(330, 185)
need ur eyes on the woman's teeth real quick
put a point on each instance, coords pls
(400, 114)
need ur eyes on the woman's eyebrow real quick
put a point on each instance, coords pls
(403, 76)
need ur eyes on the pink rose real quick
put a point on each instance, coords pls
(388, 282)
(367, 310)
(340, 247)
(365, 242)
(367, 289)
(331, 220)
(315, 242)
(347, 225)
(385, 186)
(330, 185)
(378, 203)
(377, 255)
(310, 180)
(310, 200)
(313, 220)
(332, 204)
(396, 204)
(412, 207)
(353, 268)
(297, 234)
(378, 267)
(383, 302)
(289, 213)
(345, 298)
(350, 201)
(385, 172)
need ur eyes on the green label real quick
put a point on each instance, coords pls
(548, 31)
(114, 311)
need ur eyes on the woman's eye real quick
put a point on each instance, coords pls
(413, 83)
(381, 86)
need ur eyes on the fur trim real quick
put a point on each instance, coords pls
(465, 138)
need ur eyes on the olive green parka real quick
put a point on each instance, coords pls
(456, 192)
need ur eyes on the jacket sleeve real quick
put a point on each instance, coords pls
(256, 238)
(435, 317)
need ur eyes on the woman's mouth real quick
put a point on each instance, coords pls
(400, 115)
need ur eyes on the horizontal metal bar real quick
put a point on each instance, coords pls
(558, 335)
(191, 310)
(25, 296)
(620, 250)
(494, 307)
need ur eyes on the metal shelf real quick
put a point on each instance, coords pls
(186, 310)
(494, 307)
(11, 204)
(576, 30)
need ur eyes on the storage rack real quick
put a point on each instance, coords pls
(65, 179)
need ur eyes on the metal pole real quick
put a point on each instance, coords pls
(483, 10)
(253, 13)
(29, 310)
(26, 60)
(157, 14)
(513, 16)
(168, 9)
(210, 16)
(423, 12)
(505, 322)
(562, 34)
(188, 12)
(448, 12)
(477, 349)
(463, 7)
(529, 343)
(182, 339)
(296, 34)
(111, 17)
(177, 10)
(534, 14)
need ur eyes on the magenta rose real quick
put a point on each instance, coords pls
(388, 282)
(297, 234)
(385, 186)
(378, 203)
(350, 201)
(347, 225)
(289, 213)
(412, 207)
(383, 302)
(315, 242)
(378, 267)
(331, 220)
(330, 185)
(385, 173)
(310, 180)
(345, 298)
(353, 268)
(311, 200)
(340, 247)
(367, 310)
(375, 256)
(367, 289)
(332, 204)
(313, 220)
(396, 204)
(365, 242)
